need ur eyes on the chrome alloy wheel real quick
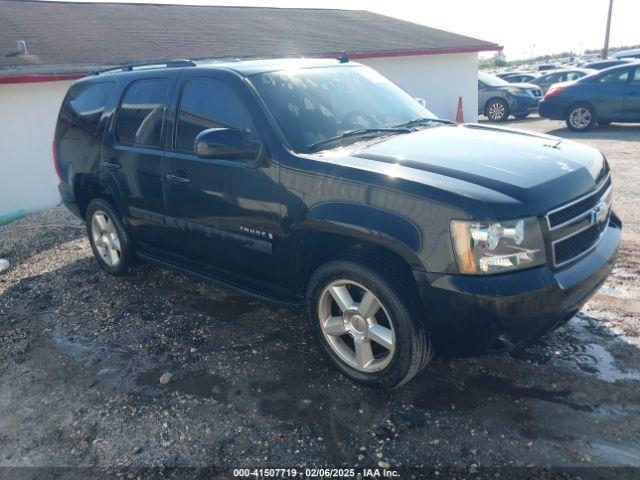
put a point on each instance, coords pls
(356, 326)
(496, 111)
(105, 238)
(580, 117)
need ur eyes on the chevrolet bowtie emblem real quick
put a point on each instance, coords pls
(599, 213)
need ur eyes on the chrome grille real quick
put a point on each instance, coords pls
(572, 247)
(576, 209)
(578, 226)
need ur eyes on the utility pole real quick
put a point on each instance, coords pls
(531, 47)
(605, 51)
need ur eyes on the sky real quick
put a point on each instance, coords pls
(524, 28)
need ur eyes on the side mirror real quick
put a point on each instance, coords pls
(226, 144)
(421, 101)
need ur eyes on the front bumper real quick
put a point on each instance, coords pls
(467, 314)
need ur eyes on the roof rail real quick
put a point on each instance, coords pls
(129, 67)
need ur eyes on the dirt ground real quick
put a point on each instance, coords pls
(82, 355)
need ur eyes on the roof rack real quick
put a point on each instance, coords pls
(129, 67)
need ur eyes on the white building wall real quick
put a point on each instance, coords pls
(439, 79)
(28, 114)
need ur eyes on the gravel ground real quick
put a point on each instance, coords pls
(158, 370)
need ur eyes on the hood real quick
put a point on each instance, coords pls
(532, 173)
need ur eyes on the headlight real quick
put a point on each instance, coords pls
(516, 91)
(493, 247)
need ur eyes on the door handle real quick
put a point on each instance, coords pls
(112, 164)
(178, 177)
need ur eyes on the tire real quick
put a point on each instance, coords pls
(497, 110)
(520, 116)
(396, 323)
(580, 117)
(110, 242)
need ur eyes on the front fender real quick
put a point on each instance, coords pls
(369, 224)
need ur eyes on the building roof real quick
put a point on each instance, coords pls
(69, 37)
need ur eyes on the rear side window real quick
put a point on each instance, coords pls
(84, 105)
(636, 77)
(553, 78)
(139, 120)
(207, 103)
(619, 76)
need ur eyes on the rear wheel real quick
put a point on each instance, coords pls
(581, 117)
(497, 110)
(367, 324)
(108, 238)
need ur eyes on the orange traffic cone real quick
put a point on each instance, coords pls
(459, 114)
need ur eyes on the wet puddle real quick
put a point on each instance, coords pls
(477, 391)
(199, 383)
(499, 386)
(603, 364)
(577, 348)
(620, 454)
(600, 314)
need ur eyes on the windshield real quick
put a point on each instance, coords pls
(491, 80)
(317, 104)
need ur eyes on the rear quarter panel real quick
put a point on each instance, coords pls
(79, 147)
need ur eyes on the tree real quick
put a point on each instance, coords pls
(499, 59)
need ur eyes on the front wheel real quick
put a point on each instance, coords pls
(581, 117)
(497, 110)
(367, 324)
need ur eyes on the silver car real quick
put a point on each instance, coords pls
(558, 76)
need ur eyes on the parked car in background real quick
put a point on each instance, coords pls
(497, 98)
(635, 53)
(602, 64)
(520, 77)
(322, 184)
(558, 76)
(588, 58)
(543, 67)
(612, 95)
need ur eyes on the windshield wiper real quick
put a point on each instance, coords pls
(358, 133)
(422, 121)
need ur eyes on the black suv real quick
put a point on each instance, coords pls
(321, 183)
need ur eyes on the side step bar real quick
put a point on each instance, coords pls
(147, 257)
